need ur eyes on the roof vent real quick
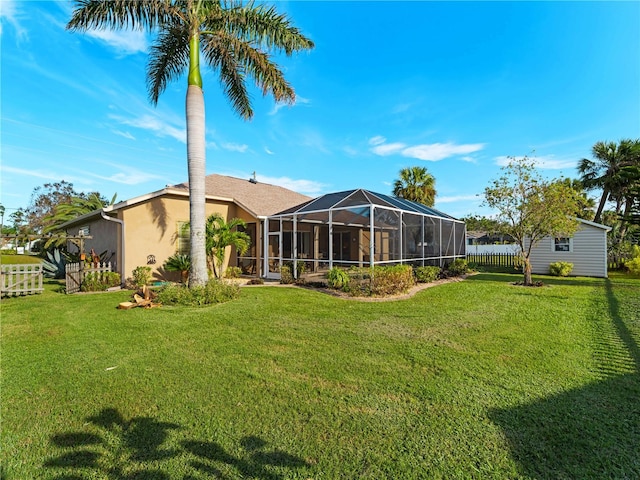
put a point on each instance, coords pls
(253, 179)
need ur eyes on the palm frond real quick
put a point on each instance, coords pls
(168, 58)
(219, 53)
(256, 64)
(264, 26)
(115, 14)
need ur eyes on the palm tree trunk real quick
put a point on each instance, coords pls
(603, 200)
(196, 162)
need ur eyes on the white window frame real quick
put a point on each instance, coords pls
(554, 245)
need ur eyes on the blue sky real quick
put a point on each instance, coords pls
(455, 87)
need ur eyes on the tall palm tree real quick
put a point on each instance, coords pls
(234, 39)
(606, 171)
(220, 235)
(416, 184)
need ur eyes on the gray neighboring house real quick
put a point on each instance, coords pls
(587, 250)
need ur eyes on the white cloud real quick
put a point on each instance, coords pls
(126, 42)
(469, 159)
(267, 151)
(457, 198)
(388, 149)
(9, 13)
(430, 152)
(154, 124)
(401, 108)
(127, 175)
(306, 187)
(235, 147)
(46, 175)
(439, 151)
(299, 101)
(548, 162)
(350, 151)
(124, 134)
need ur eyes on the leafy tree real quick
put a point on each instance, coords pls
(44, 200)
(606, 171)
(586, 204)
(482, 223)
(222, 234)
(416, 184)
(234, 39)
(530, 208)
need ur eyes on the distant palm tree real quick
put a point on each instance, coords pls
(416, 184)
(232, 38)
(220, 235)
(65, 211)
(607, 171)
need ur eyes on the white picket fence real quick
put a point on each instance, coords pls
(75, 273)
(21, 279)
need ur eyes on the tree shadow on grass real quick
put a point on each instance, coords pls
(590, 432)
(134, 449)
(253, 464)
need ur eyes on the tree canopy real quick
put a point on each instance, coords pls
(530, 208)
(416, 184)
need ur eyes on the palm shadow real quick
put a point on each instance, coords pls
(254, 463)
(589, 432)
(121, 449)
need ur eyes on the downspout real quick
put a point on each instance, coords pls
(121, 222)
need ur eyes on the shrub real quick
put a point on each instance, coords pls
(100, 281)
(286, 274)
(179, 262)
(213, 292)
(141, 276)
(633, 265)
(233, 272)
(256, 281)
(458, 267)
(560, 269)
(426, 274)
(392, 280)
(338, 279)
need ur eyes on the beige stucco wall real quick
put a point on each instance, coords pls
(151, 228)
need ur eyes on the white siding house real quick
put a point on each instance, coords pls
(587, 250)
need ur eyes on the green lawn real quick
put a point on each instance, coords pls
(19, 259)
(475, 379)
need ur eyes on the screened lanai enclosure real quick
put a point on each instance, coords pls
(360, 228)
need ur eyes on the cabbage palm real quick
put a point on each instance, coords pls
(606, 172)
(232, 38)
(416, 184)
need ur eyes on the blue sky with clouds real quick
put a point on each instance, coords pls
(456, 87)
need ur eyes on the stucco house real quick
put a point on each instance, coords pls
(148, 229)
(586, 249)
(350, 228)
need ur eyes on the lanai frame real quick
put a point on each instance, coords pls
(336, 230)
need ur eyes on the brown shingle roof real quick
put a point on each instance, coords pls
(262, 199)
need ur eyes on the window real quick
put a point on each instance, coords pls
(183, 245)
(84, 231)
(562, 244)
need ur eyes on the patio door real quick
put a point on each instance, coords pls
(274, 254)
